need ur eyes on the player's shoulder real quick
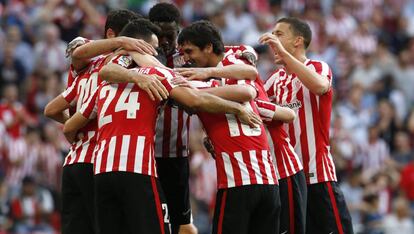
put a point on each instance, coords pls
(317, 65)
(161, 71)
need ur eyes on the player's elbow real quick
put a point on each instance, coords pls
(252, 73)
(285, 114)
(104, 72)
(321, 87)
(290, 115)
(50, 111)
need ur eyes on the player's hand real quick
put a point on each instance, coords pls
(141, 46)
(209, 146)
(194, 73)
(182, 82)
(71, 137)
(247, 55)
(274, 43)
(247, 116)
(153, 86)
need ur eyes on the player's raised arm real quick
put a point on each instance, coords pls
(316, 83)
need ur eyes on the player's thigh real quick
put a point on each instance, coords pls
(266, 215)
(174, 176)
(326, 210)
(108, 213)
(231, 214)
(145, 206)
(76, 218)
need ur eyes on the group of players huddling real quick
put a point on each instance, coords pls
(130, 96)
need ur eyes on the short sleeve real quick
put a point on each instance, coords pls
(70, 93)
(266, 110)
(90, 107)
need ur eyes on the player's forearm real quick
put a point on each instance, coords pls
(82, 55)
(236, 93)
(55, 109)
(313, 81)
(213, 104)
(117, 74)
(73, 124)
(235, 71)
(145, 60)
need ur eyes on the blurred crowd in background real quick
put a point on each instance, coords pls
(369, 44)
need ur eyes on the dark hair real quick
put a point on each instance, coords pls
(201, 34)
(117, 19)
(164, 12)
(299, 28)
(140, 28)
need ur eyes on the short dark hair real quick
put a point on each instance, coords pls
(140, 28)
(164, 12)
(299, 28)
(117, 19)
(202, 33)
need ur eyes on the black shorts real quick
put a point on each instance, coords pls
(173, 174)
(250, 209)
(293, 196)
(78, 214)
(130, 203)
(327, 211)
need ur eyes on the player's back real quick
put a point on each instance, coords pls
(126, 122)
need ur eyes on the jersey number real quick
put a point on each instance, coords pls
(128, 101)
(235, 125)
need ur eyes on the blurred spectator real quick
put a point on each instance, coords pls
(373, 154)
(251, 35)
(362, 41)
(399, 221)
(353, 193)
(5, 222)
(340, 24)
(404, 76)
(11, 69)
(238, 21)
(50, 50)
(371, 218)
(22, 50)
(32, 209)
(407, 182)
(403, 153)
(366, 73)
(387, 122)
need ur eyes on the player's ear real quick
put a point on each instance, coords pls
(110, 33)
(209, 48)
(299, 41)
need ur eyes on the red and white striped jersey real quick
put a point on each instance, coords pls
(309, 133)
(287, 161)
(126, 125)
(172, 125)
(242, 152)
(77, 94)
(171, 138)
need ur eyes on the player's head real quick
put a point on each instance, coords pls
(142, 29)
(294, 34)
(199, 42)
(116, 21)
(167, 17)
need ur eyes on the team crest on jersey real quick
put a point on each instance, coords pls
(297, 83)
(125, 61)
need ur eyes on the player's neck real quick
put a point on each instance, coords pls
(301, 57)
(216, 59)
